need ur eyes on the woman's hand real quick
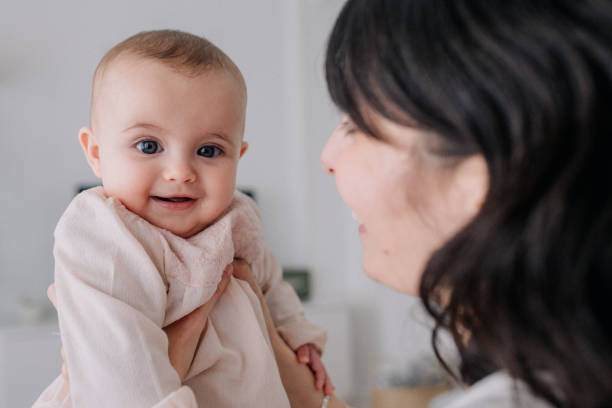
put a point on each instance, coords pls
(183, 335)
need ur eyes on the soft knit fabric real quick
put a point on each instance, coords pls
(497, 390)
(120, 280)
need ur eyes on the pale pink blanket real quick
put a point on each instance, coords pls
(120, 280)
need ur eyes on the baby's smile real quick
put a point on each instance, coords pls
(175, 203)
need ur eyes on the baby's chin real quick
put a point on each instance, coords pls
(185, 226)
(182, 231)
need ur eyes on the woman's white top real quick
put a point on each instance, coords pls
(497, 390)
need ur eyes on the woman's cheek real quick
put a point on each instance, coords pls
(349, 189)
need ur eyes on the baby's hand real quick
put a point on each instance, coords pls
(308, 354)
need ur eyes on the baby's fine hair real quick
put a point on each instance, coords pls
(187, 53)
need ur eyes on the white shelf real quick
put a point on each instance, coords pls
(29, 360)
(30, 355)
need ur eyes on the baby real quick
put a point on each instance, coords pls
(151, 245)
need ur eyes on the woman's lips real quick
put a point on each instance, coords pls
(174, 203)
(362, 229)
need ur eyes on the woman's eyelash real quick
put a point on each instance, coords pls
(349, 127)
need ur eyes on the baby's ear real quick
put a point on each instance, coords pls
(243, 148)
(91, 149)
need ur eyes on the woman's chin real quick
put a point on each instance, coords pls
(376, 272)
(396, 280)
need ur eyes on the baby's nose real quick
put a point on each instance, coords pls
(180, 172)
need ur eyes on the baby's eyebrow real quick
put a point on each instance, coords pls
(143, 125)
(220, 135)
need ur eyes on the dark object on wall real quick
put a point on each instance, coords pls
(82, 187)
(248, 191)
(299, 278)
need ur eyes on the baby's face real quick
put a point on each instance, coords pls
(165, 144)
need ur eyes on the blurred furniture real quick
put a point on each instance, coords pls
(401, 397)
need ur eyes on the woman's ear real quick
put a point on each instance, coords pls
(471, 184)
(91, 149)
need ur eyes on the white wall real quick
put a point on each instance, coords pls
(48, 51)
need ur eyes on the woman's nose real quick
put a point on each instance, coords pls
(326, 159)
(329, 153)
(180, 171)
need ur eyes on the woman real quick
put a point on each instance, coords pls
(475, 154)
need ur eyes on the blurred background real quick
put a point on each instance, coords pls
(377, 338)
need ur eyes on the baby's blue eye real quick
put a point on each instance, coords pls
(209, 151)
(149, 147)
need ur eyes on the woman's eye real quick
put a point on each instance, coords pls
(349, 130)
(149, 147)
(349, 127)
(209, 151)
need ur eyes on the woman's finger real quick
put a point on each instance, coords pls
(184, 334)
(193, 324)
(242, 270)
(51, 294)
(202, 312)
(64, 367)
(65, 372)
(225, 280)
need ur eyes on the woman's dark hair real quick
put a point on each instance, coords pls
(528, 85)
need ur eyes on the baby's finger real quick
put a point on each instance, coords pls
(319, 370)
(319, 378)
(328, 388)
(51, 294)
(303, 354)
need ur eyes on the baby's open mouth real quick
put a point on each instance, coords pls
(173, 199)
